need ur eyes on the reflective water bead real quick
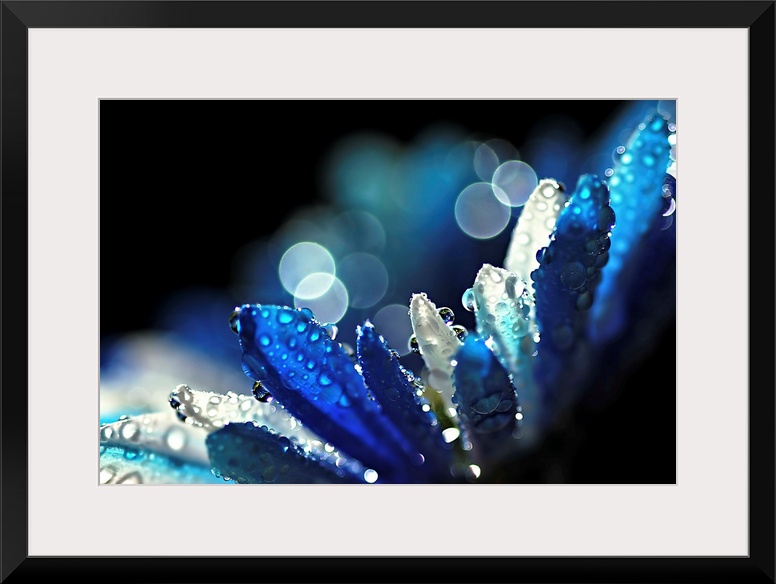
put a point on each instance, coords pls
(460, 331)
(669, 207)
(468, 300)
(130, 431)
(448, 316)
(234, 321)
(260, 392)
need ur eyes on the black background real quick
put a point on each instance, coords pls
(171, 173)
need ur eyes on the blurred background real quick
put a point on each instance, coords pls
(347, 207)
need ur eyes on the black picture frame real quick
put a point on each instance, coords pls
(19, 16)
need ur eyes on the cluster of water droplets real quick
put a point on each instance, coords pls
(502, 304)
(152, 449)
(211, 411)
(570, 266)
(161, 432)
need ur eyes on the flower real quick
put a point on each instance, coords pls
(582, 269)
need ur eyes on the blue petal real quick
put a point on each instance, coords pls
(636, 190)
(294, 358)
(395, 390)
(485, 398)
(567, 277)
(248, 453)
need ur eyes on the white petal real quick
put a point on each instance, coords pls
(437, 342)
(534, 228)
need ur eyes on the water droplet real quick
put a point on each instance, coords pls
(234, 321)
(602, 260)
(285, 316)
(460, 331)
(331, 330)
(414, 345)
(584, 301)
(270, 474)
(175, 439)
(447, 315)
(130, 431)
(285, 443)
(106, 433)
(265, 340)
(370, 475)
(468, 300)
(261, 393)
(573, 275)
(606, 219)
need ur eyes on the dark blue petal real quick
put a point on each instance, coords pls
(395, 391)
(485, 398)
(294, 358)
(248, 453)
(566, 282)
(569, 269)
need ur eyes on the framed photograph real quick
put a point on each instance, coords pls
(304, 289)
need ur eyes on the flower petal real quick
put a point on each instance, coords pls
(437, 343)
(504, 310)
(534, 228)
(160, 432)
(486, 400)
(292, 355)
(397, 392)
(153, 449)
(566, 280)
(210, 411)
(249, 453)
(636, 191)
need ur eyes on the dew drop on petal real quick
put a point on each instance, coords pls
(447, 315)
(175, 438)
(469, 301)
(130, 431)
